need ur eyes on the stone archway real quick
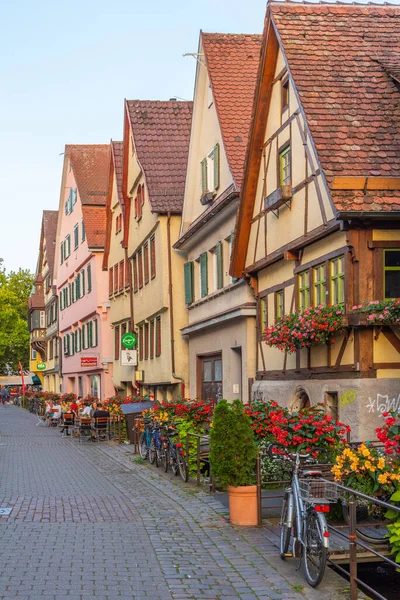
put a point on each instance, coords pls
(300, 399)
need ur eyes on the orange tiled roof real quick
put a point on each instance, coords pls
(90, 164)
(232, 63)
(343, 59)
(117, 149)
(49, 232)
(161, 132)
(94, 218)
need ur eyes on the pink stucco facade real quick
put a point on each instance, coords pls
(82, 289)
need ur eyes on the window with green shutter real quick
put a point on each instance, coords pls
(216, 166)
(78, 288)
(82, 276)
(61, 253)
(83, 336)
(68, 245)
(74, 195)
(76, 236)
(83, 231)
(203, 275)
(219, 266)
(95, 332)
(61, 301)
(204, 183)
(189, 287)
(89, 278)
(69, 295)
(89, 326)
(73, 292)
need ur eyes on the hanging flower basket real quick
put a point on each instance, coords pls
(377, 312)
(305, 328)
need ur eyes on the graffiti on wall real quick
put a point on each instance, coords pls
(383, 403)
(348, 397)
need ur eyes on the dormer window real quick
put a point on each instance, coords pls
(285, 92)
(284, 167)
(210, 175)
(210, 99)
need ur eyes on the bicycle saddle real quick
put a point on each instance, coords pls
(311, 473)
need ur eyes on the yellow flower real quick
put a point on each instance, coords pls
(381, 463)
(382, 478)
(368, 464)
(364, 450)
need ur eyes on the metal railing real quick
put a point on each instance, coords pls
(350, 536)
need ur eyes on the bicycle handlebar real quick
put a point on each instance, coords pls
(292, 455)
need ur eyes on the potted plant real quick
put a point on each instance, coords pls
(233, 453)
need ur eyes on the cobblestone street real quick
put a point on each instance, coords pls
(88, 522)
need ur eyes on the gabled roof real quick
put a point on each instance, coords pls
(340, 57)
(334, 54)
(232, 62)
(90, 166)
(161, 131)
(115, 167)
(49, 233)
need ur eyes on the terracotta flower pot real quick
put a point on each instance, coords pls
(243, 505)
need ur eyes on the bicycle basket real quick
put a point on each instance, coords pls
(316, 491)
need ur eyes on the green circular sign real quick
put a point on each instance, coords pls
(128, 340)
(41, 366)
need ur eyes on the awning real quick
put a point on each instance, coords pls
(13, 380)
(36, 380)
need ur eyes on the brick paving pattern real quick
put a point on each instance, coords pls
(88, 522)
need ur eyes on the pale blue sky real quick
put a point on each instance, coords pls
(65, 69)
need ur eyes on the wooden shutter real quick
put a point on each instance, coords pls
(153, 256)
(136, 207)
(110, 281)
(69, 244)
(68, 344)
(146, 341)
(140, 268)
(61, 301)
(82, 275)
(127, 272)
(188, 275)
(117, 343)
(61, 253)
(158, 336)
(89, 278)
(220, 272)
(116, 277)
(152, 338)
(83, 231)
(89, 326)
(135, 274)
(83, 336)
(78, 287)
(76, 236)
(203, 274)
(121, 275)
(141, 342)
(142, 194)
(96, 332)
(216, 166)
(146, 262)
(204, 185)
(73, 292)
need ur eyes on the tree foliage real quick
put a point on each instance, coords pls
(15, 288)
(233, 450)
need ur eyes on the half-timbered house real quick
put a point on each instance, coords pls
(221, 309)
(319, 216)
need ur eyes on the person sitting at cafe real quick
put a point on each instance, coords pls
(100, 412)
(86, 410)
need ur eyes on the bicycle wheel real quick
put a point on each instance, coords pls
(143, 445)
(182, 465)
(174, 462)
(315, 553)
(370, 522)
(152, 452)
(165, 459)
(285, 529)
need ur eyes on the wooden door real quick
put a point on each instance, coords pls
(211, 377)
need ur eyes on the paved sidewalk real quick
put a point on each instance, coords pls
(89, 522)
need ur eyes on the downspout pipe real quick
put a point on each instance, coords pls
(131, 302)
(171, 306)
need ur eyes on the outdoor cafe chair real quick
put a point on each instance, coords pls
(84, 426)
(101, 427)
(67, 421)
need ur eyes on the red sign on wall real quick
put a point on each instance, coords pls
(88, 361)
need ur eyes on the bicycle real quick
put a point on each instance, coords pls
(173, 454)
(305, 504)
(155, 451)
(145, 439)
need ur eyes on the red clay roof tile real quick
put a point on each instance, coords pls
(94, 218)
(90, 164)
(161, 132)
(49, 232)
(341, 58)
(117, 149)
(232, 62)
